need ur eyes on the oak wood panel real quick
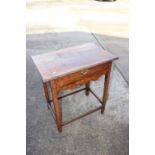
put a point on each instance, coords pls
(69, 60)
(83, 76)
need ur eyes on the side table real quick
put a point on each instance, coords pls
(71, 67)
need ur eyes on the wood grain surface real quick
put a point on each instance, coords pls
(69, 60)
(83, 76)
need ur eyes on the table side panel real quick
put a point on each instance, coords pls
(82, 77)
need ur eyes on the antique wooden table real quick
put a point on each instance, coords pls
(71, 67)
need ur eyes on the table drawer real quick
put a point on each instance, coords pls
(82, 76)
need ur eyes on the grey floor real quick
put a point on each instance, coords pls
(95, 134)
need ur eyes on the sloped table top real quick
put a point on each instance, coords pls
(68, 60)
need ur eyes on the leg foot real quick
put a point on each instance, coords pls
(60, 129)
(102, 110)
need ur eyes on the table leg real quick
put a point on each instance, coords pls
(46, 94)
(106, 85)
(54, 91)
(87, 88)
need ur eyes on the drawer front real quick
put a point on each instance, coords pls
(83, 76)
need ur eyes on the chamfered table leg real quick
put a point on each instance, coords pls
(54, 91)
(87, 88)
(106, 85)
(46, 94)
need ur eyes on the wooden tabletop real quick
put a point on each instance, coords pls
(68, 60)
